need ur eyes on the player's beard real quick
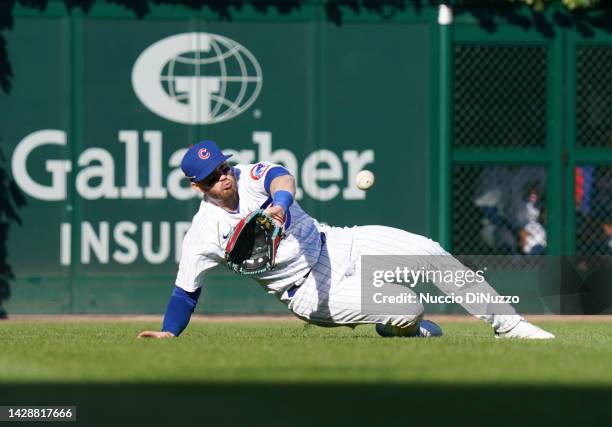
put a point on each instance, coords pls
(229, 190)
(226, 196)
(230, 196)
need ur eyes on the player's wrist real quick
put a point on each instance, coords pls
(283, 199)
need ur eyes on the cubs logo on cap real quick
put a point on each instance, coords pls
(201, 160)
(203, 154)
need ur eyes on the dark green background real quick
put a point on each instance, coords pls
(363, 85)
(373, 81)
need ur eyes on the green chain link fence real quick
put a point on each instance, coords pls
(501, 96)
(594, 96)
(593, 182)
(499, 210)
(500, 102)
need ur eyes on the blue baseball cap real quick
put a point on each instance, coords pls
(201, 160)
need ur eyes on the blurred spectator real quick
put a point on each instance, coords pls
(593, 201)
(532, 236)
(583, 188)
(495, 229)
(607, 240)
(603, 242)
(506, 210)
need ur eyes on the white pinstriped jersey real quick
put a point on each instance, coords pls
(331, 294)
(204, 244)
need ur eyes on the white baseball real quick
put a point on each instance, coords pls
(364, 180)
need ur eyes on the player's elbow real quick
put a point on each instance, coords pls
(285, 182)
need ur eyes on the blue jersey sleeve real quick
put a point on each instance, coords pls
(179, 310)
(274, 172)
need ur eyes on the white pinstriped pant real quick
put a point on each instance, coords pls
(331, 295)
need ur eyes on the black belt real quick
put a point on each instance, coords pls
(293, 289)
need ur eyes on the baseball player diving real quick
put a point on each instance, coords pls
(313, 268)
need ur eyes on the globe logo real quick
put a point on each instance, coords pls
(197, 78)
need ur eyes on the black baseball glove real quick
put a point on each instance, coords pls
(252, 244)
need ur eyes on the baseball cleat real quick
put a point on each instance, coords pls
(527, 331)
(428, 329)
(425, 329)
(385, 331)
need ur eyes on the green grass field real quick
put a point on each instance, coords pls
(264, 373)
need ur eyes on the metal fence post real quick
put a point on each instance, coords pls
(445, 20)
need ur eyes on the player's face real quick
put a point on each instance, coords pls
(220, 185)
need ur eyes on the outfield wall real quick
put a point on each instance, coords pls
(103, 103)
(106, 208)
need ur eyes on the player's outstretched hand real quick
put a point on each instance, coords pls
(155, 334)
(277, 213)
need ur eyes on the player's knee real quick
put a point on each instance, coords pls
(425, 245)
(412, 315)
(434, 248)
(406, 326)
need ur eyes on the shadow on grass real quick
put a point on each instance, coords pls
(319, 404)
